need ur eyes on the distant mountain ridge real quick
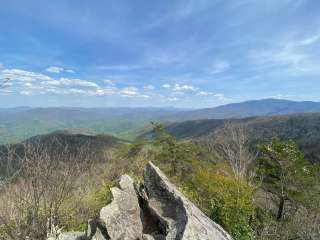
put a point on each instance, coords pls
(20, 123)
(264, 107)
(303, 128)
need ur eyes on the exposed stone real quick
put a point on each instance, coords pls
(122, 216)
(97, 230)
(70, 236)
(182, 219)
(153, 211)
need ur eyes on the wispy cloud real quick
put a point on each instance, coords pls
(129, 91)
(23, 76)
(204, 93)
(219, 66)
(179, 87)
(291, 57)
(109, 81)
(27, 93)
(149, 87)
(167, 86)
(55, 69)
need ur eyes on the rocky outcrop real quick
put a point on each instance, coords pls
(153, 211)
(122, 216)
(70, 236)
(181, 218)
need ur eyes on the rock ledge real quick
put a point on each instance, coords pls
(153, 211)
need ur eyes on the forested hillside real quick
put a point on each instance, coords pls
(302, 128)
(17, 124)
(235, 183)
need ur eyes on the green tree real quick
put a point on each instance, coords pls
(179, 155)
(284, 172)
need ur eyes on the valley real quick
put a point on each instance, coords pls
(64, 164)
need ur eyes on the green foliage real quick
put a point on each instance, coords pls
(205, 179)
(284, 171)
(225, 200)
(76, 212)
(5, 230)
(179, 156)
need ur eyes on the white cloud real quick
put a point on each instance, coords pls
(31, 83)
(307, 41)
(27, 83)
(77, 82)
(204, 93)
(290, 57)
(178, 87)
(27, 93)
(108, 81)
(166, 86)
(23, 76)
(67, 82)
(54, 69)
(220, 96)
(70, 82)
(129, 91)
(219, 66)
(51, 82)
(55, 91)
(149, 87)
(104, 91)
(79, 91)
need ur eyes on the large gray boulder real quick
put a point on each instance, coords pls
(155, 210)
(122, 216)
(180, 218)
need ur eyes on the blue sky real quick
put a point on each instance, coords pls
(184, 53)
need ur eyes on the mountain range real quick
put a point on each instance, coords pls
(303, 128)
(17, 124)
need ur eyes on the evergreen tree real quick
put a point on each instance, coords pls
(284, 172)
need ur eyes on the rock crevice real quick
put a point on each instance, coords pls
(155, 210)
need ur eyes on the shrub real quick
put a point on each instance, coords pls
(225, 200)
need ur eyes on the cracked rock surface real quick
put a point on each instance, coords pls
(153, 211)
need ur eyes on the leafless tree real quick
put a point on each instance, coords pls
(47, 177)
(232, 143)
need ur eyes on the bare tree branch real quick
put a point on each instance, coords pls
(4, 82)
(47, 177)
(232, 143)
